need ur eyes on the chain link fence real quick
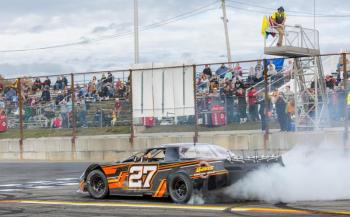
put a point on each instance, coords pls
(226, 97)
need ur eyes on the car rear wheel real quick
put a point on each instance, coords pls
(180, 188)
(97, 184)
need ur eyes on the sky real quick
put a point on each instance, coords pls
(97, 35)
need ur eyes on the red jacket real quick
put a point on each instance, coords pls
(251, 97)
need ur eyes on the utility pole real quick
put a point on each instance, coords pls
(136, 31)
(225, 20)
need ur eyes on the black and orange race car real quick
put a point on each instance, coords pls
(174, 170)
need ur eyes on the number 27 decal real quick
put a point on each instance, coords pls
(140, 176)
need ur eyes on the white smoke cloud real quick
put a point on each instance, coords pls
(310, 173)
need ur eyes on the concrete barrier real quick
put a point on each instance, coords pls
(114, 147)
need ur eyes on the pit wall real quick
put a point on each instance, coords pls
(114, 147)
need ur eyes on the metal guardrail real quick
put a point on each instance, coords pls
(295, 36)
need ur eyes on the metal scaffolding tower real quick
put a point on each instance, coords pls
(310, 95)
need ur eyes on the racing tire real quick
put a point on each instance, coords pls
(97, 184)
(180, 188)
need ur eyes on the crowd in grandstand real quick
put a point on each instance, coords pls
(236, 91)
(51, 103)
(243, 95)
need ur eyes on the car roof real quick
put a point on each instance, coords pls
(177, 145)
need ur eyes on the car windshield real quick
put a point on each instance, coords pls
(204, 151)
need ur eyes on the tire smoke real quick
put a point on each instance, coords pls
(310, 173)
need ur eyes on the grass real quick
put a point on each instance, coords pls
(37, 133)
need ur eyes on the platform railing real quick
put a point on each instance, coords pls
(294, 36)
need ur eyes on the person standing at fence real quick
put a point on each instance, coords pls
(81, 110)
(265, 112)
(278, 19)
(229, 97)
(252, 103)
(242, 105)
(64, 113)
(281, 112)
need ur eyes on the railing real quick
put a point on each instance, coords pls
(98, 117)
(295, 36)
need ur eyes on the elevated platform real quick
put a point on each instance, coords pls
(297, 42)
(291, 51)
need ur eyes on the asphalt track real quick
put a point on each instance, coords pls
(49, 189)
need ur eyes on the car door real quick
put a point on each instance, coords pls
(142, 176)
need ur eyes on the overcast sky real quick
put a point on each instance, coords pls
(27, 24)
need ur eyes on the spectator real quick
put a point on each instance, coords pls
(118, 84)
(228, 76)
(265, 112)
(58, 84)
(259, 72)
(117, 106)
(203, 83)
(36, 85)
(98, 118)
(252, 103)
(221, 71)
(289, 70)
(239, 84)
(47, 82)
(110, 78)
(82, 91)
(242, 105)
(82, 111)
(330, 82)
(214, 84)
(64, 113)
(103, 78)
(290, 114)
(64, 82)
(251, 76)
(237, 70)
(281, 112)
(45, 95)
(57, 122)
(114, 118)
(272, 73)
(92, 89)
(229, 96)
(10, 93)
(288, 94)
(121, 91)
(59, 97)
(271, 70)
(207, 71)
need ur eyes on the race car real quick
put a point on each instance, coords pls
(174, 170)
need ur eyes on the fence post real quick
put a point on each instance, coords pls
(20, 109)
(267, 105)
(132, 131)
(195, 138)
(345, 77)
(74, 130)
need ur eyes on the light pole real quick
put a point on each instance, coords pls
(225, 20)
(136, 32)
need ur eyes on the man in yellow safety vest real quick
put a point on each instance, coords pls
(278, 19)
